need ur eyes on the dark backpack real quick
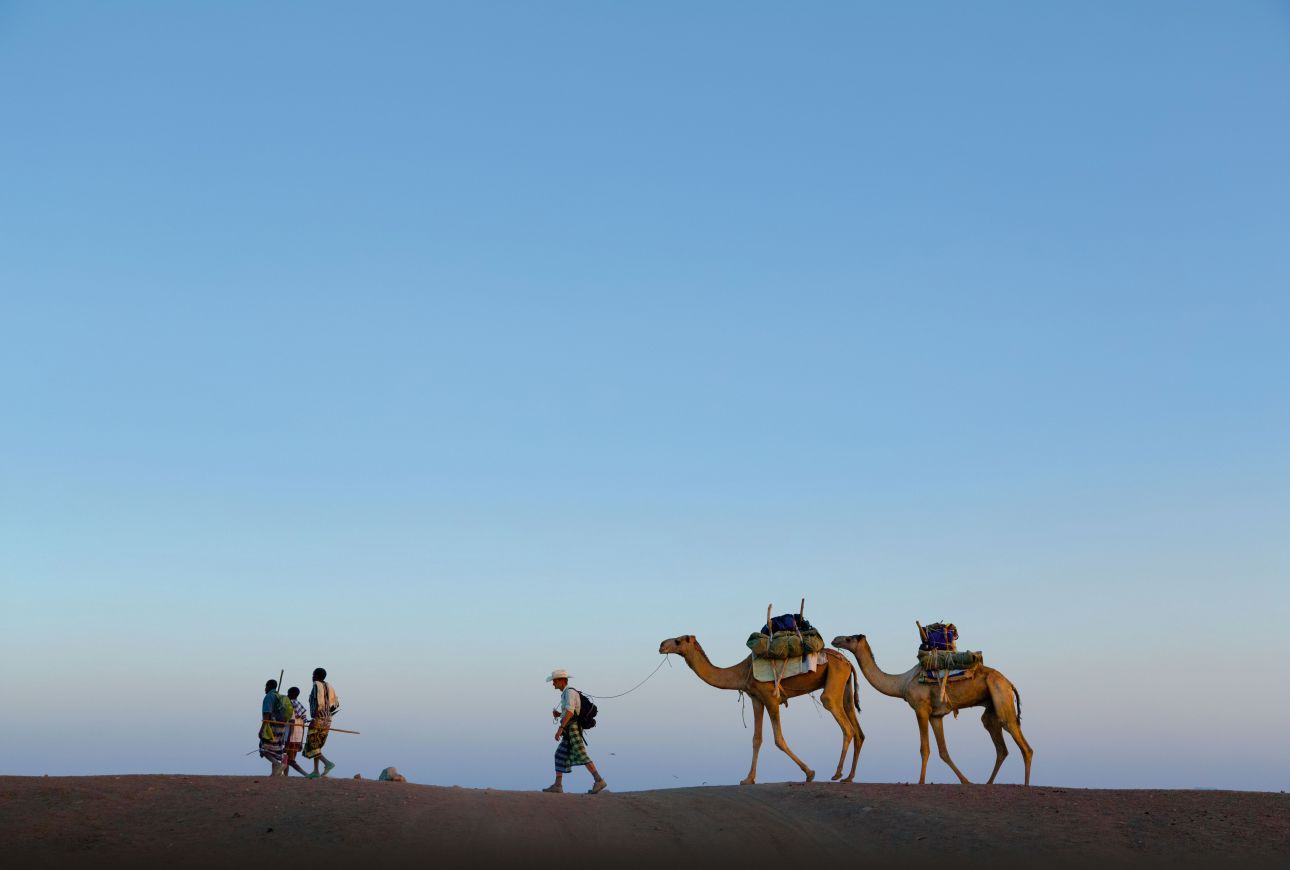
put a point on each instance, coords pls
(587, 711)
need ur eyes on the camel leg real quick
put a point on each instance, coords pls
(1003, 694)
(758, 709)
(1014, 728)
(840, 716)
(995, 729)
(859, 740)
(773, 710)
(923, 747)
(938, 726)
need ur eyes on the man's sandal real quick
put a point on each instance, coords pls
(554, 789)
(597, 788)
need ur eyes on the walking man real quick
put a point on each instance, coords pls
(573, 747)
(296, 737)
(273, 729)
(323, 704)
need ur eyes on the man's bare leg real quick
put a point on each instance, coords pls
(599, 784)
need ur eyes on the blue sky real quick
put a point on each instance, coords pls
(444, 344)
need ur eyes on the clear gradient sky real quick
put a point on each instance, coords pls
(444, 344)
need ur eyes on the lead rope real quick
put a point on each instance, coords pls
(665, 661)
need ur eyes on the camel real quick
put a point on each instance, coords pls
(836, 677)
(986, 688)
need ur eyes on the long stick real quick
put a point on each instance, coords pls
(341, 730)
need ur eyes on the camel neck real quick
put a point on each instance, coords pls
(722, 678)
(887, 684)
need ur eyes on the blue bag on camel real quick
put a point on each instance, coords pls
(787, 622)
(939, 635)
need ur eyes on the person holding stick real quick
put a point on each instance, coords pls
(323, 704)
(273, 730)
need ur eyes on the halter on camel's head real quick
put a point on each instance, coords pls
(848, 641)
(678, 645)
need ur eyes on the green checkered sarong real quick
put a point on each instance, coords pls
(572, 749)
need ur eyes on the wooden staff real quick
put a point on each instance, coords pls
(311, 727)
(769, 634)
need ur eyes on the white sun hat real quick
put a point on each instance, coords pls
(559, 674)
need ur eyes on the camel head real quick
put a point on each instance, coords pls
(852, 642)
(678, 645)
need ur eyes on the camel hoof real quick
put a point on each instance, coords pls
(810, 776)
(837, 776)
(749, 781)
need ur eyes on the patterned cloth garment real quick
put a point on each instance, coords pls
(321, 725)
(297, 738)
(317, 736)
(572, 749)
(273, 737)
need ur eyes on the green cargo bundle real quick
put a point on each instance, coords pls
(949, 660)
(785, 644)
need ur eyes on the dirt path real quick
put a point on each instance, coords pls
(224, 821)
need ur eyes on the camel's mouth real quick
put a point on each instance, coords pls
(843, 641)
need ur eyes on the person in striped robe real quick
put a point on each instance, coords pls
(296, 737)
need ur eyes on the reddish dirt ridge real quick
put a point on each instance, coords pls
(184, 821)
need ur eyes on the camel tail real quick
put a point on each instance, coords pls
(855, 692)
(1016, 693)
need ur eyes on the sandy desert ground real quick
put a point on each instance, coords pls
(184, 821)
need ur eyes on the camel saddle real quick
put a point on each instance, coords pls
(770, 670)
(936, 678)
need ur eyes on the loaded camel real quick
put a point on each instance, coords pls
(835, 677)
(985, 688)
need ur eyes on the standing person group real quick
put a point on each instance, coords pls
(283, 720)
(572, 750)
